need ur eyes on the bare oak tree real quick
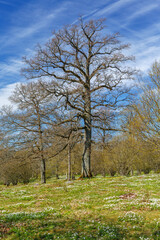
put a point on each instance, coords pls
(34, 111)
(86, 68)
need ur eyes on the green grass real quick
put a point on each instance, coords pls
(99, 208)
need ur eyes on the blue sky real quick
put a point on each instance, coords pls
(23, 24)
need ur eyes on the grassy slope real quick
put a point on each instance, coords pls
(98, 208)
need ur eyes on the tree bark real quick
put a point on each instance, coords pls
(69, 163)
(43, 170)
(43, 161)
(86, 158)
(57, 168)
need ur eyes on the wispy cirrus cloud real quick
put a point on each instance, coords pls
(113, 7)
(142, 11)
(31, 22)
(18, 33)
(10, 68)
(139, 24)
(5, 3)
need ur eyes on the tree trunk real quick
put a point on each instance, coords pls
(43, 161)
(57, 169)
(86, 158)
(69, 162)
(43, 170)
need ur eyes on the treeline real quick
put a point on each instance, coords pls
(81, 112)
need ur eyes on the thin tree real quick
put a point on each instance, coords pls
(147, 111)
(30, 118)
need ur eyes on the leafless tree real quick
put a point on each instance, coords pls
(147, 111)
(67, 136)
(86, 68)
(30, 118)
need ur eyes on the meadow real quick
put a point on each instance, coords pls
(98, 208)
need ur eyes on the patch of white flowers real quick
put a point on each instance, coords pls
(131, 217)
(144, 238)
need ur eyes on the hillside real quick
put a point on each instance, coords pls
(98, 208)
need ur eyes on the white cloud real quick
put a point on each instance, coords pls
(144, 42)
(5, 93)
(10, 68)
(146, 49)
(142, 11)
(18, 33)
(5, 3)
(114, 7)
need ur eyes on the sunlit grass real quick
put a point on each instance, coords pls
(98, 208)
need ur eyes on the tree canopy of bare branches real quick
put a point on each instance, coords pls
(86, 68)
